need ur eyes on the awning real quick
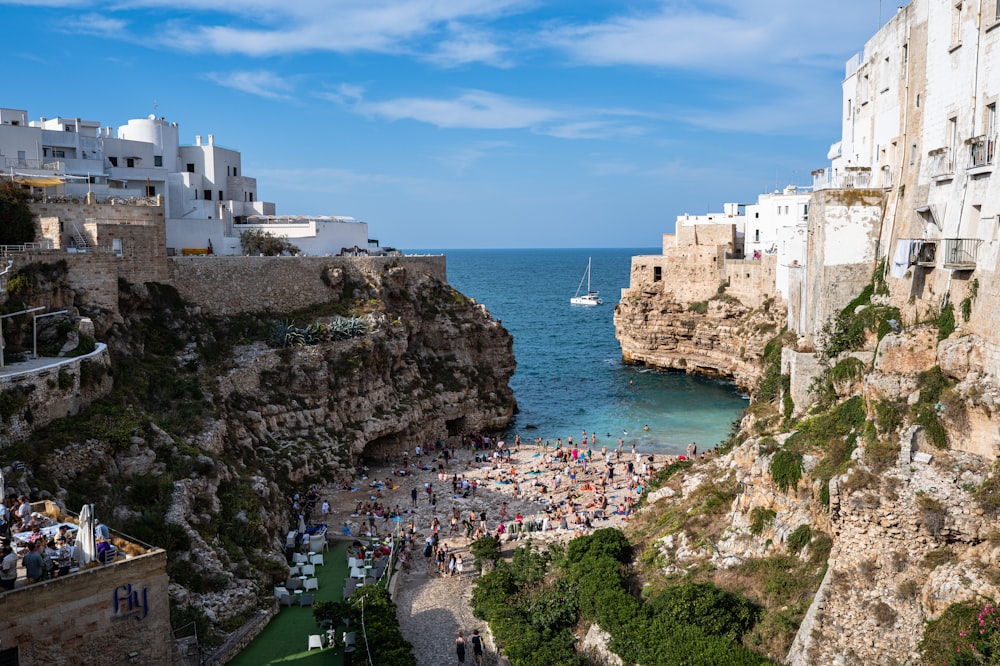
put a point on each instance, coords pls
(39, 181)
(835, 151)
(927, 212)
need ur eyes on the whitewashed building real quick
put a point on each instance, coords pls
(208, 199)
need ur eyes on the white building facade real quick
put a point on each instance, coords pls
(207, 198)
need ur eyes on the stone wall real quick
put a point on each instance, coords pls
(706, 234)
(844, 227)
(46, 399)
(114, 614)
(93, 277)
(232, 285)
(752, 280)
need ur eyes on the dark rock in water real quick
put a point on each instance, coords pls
(531, 426)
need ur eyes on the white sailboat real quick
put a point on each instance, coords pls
(591, 297)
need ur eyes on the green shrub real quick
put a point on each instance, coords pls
(786, 468)
(714, 611)
(943, 641)
(799, 538)
(483, 549)
(946, 321)
(700, 307)
(761, 518)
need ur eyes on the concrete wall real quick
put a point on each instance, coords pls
(116, 614)
(231, 285)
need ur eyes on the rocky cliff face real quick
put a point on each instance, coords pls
(214, 421)
(719, 337)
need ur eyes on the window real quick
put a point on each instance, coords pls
(116, 246)
(657, 273)
(208, 195)
(190, 168)
(151, 190)
(220, 195)
(21, 158)
(906, 53)
(234, 172)
(114, 161)
(158, 160)
(251, 196)
(918, 100)
(849, 101)
(991, 120)
(130, 162)
(756, 235)
(956, 24)
(59, 153)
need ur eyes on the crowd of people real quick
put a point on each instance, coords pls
(35, 547)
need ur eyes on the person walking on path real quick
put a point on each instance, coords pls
(460, 648)
(477, 648)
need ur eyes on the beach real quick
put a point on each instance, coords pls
(556, 495)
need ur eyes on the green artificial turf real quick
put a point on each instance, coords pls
(286, 637)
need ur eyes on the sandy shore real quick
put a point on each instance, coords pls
(434, 607)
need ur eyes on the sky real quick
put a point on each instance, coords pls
(465, 123)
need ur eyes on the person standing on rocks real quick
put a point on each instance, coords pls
(460, 648)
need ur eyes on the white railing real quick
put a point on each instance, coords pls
(849, 180)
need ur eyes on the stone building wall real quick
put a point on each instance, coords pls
(844, 229)
(752, 280)
(231, 285)
(92, 275)
(116, 614)
(706, 234)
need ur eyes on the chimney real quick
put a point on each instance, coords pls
(211, 139)
(197, 140)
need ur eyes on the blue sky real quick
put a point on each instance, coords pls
(465, 123)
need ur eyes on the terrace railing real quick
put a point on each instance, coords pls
(960, 254)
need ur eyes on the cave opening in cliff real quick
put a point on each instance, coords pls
(381, 449)
(456, 427)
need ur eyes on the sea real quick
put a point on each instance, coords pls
(570, 377)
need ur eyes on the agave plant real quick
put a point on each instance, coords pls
(285, 334)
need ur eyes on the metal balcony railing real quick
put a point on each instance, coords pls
(850, 180)
(960, 254)
(981, 150)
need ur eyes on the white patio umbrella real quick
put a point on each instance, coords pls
(86, 545)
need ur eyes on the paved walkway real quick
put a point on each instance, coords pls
(432, 609)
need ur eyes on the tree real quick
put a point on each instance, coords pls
(256, 241)
(17, 222)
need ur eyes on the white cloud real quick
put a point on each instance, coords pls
(474, 109)
(100, 24)
(465, 157)
(723, 36)
(259, 82)
(343, 26)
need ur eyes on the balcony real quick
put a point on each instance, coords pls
(981, 152)
(942, 164)
(853, 178)
(960, 254)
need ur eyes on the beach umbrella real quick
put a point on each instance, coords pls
(86, 545)
(302, 524)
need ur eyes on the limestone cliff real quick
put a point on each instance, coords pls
(718, 337)
(215, 420)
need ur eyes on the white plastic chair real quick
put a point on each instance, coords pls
(299, 558)
(357, 572)
(293, 570)
(280, 591)
(317, 543)
(353, 562)
(308, 570)
(316, 560)
(311, 584)
(315, 641)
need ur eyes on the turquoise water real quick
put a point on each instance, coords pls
(569, 375)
